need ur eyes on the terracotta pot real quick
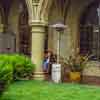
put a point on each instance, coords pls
(75, 76)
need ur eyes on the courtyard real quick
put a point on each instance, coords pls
(31, 28)
(43, 90)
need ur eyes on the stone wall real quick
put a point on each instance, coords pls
(91, 73)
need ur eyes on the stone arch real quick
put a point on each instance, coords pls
(89, 20)
(30, 10)
(73, 20)
(24, 32)
(16, 10)
(46, 6)
(85, 7)
(16, 7)
(57, 12)
(13, 18)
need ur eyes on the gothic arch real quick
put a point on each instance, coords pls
(44, 9)
(30, 10)
(89, 21)
(17, 11)
(24, 32)
(46, 6)
(57, 12)
(13, 20)
(85, 7)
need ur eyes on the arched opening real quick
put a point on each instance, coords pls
(90, 30)
(16, 34)
(57, 14)
(24, 31)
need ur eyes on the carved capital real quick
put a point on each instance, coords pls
(38, 27)
(36, 12)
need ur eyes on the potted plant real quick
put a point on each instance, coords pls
(76, 63)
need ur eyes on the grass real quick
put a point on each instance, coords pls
(37, 90)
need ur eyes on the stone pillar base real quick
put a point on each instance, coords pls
(39, 75)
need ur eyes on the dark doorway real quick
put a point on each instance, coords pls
(24, 32)
(90, 30)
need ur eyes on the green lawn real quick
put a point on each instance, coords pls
(37, 90)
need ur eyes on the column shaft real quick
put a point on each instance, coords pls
(38, 35)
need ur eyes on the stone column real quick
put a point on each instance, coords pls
(38, 37)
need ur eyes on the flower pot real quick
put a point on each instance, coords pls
(75, 76)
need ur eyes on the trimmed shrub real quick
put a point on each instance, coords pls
(22, 66)
(6, 75)
(14, 67)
